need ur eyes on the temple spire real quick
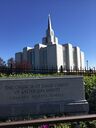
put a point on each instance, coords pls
(49, 22)
(50, 37)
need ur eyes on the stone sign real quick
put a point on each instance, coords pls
(42, 96)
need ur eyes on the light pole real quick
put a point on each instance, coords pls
(87, 64)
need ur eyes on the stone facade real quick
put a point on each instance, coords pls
(42, 96)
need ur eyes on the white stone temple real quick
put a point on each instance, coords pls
(50, 55)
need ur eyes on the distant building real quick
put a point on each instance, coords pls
(51, 55)
(18, 57)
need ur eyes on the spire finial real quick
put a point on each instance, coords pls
(49, 22)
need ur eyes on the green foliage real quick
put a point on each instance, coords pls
(27, 75)
(92, 101)
(23, 75)
(90, 84)
(91, 124)
(62, 125)
(90, 91)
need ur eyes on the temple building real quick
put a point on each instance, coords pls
(50, 55)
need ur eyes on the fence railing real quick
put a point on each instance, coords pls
(8, 71)
(39, 122)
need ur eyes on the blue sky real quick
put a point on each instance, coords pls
(24, 22)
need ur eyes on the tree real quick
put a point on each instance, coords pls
(11, 62)
(2, 62)
(24, 66)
